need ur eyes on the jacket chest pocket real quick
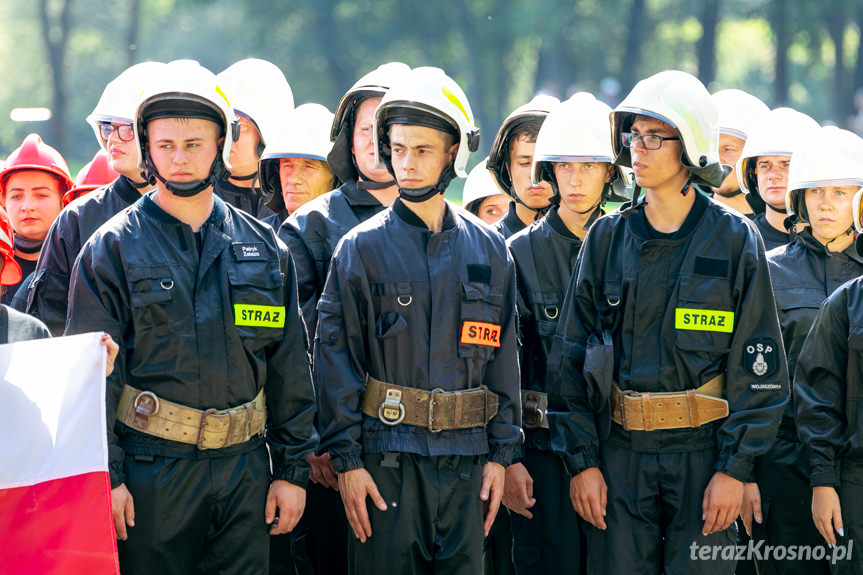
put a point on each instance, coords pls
(152, 297)
(703, 316)
(480, 328)
(393, 304)
(257, 301)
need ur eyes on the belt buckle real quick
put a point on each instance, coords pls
(200, 441)
(432, 403)
(391, 411)
(622, 404)
(531, 414)
(146, 404)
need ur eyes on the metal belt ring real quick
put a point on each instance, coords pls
(386, 421)
(551, 315)
(167, 284)
(405, 303)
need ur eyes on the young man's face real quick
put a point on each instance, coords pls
(420, 155)
(32, 200)
(581, 183)
(363, 145)
(122, 155)
(655, 168)
(183, 149)
(303, 179)
(520, 159)
(772, 173)
(830, 210)
(730, 148)
(244, 152)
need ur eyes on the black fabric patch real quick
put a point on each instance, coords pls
(710, 267)
(253, 252)
(761, 359)
(479, 273)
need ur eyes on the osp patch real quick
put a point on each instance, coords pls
(760, 358)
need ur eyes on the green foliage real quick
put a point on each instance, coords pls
(502, 52)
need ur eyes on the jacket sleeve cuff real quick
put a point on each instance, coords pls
(581, 460)
(739, 467)
(292, 472)
(346, 462)
(115, 466)
(503, 454)
(824, 476)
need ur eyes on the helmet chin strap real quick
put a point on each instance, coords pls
(769, 207)
(417, 195)
(185, 189)
(366, 183)
(251, 176)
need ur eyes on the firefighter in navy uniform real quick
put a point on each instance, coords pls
(314, 230)
(829, 371)
(738, 111)
(311, 234)
(213, 369)
(825, 172)
(111, 121)
(510, 161)
(294, 169)
(261, 97)
(416, 365)
(667, 376)
(573, 153)
(762, 170)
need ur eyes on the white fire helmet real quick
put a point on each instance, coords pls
(185, 89)
(498, 159)
(738, 112)
(120, 97)
(680, 100)
(304, 133)
(780, 132)
(259, 91)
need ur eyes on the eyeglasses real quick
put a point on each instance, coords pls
(649, 141)
(124, 132)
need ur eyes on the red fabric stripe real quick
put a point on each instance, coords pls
(60, 526)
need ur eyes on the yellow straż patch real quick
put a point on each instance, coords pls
(259, 315)
(704, 319)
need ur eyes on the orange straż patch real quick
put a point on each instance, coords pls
(480, 333)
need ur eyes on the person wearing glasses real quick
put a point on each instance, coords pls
(111, 120)
(667, 377)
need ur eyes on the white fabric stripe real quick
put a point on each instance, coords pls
(52, 409)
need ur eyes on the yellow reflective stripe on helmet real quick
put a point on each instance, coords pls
(259, 315)
(222, 94)
(452, 98)
(704, 320)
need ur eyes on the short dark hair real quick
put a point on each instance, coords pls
(527, 131)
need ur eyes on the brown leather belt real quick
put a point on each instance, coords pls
(534, 407)
(436, 410)
(692, 408)
(210, 429)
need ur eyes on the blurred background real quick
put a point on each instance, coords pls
(59, 54)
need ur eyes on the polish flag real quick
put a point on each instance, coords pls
(55, 493)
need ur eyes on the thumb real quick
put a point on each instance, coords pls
(129, 511)
(837, 521)
(376, 497)
(270, 509)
